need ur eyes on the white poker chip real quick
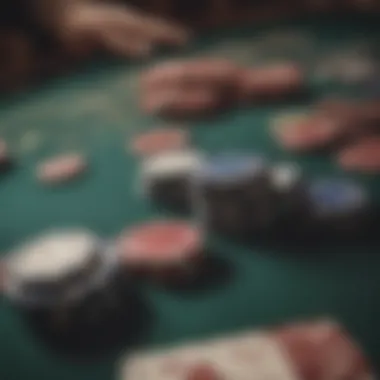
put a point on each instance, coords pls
(53, 255)
(73, 257)
(169, 165)
(285, 176)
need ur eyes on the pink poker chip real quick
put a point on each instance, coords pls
(203, 72)
(361, 156)
(160, 243)
(312, 132)
(159, 140)
(61, 169)
(181, 102)
(270, 82)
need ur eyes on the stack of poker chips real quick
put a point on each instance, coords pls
(165, 178)
(339, 207)
(57, 272)
(234, 196)
(243, 196)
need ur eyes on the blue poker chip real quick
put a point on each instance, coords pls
(230, 167)
(337, 197)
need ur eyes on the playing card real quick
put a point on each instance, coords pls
(246, 356)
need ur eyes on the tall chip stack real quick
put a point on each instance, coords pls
(234, 196)
(66, 277)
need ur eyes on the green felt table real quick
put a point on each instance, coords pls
(95, 112)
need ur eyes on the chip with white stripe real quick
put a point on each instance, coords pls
(46, 266)
(165, 178)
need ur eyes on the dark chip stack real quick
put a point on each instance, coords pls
(234, 195)
(339, 207)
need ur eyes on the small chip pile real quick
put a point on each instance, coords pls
(204, 86)
(244, 196)
(236, 195)
(350, 127)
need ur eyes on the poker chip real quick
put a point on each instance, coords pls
(181, 102)
(228, 168)
(285, 176)
(337, 196)
(160, 244)
(166, 177)
(271, 82)
(61, 169)
(308, 133)
(339, 205)
(362, 156)
(201, 72)
(55, 267)
(159, 140)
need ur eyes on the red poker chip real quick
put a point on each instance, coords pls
(61, 168)
(364, 156)
(159, 140)
(181, 102)
(272, 81)
(313, 132)
(160, 243)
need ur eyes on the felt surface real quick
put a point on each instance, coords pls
(95, 112)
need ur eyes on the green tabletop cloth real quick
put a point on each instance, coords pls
(96, 112)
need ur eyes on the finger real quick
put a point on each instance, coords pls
(364, 156)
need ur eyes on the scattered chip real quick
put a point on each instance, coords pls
(339, 205)
(272, 82)
(361, 156)
(181, 102)
(61, 169)
(310, 133)
(285, 176)
(160, 140)
(199, 72)
(161, 246)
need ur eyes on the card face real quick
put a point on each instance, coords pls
(248, 356)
